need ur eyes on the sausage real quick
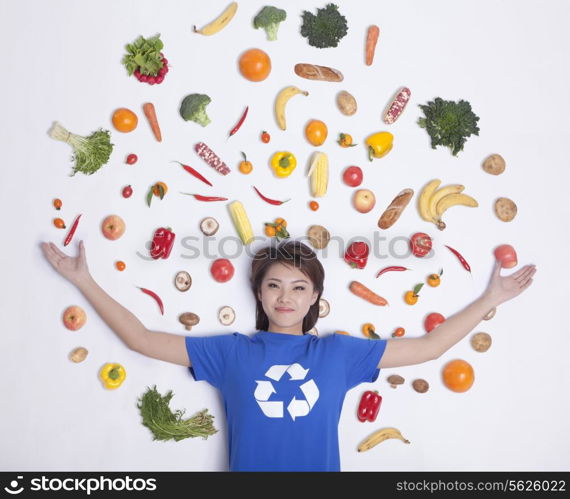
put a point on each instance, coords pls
(211, 158)
(393, 212)
(314, 72)
(396, 107)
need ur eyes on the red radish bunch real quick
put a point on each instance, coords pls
(150, 79)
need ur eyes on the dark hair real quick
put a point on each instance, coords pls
(293, 253)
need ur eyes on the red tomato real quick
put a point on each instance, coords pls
(352, 176)
(420, 244)
(432, 321)
(507, 255)
(222, 270)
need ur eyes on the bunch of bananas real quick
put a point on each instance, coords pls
(433, 201)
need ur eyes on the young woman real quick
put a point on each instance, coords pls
(283, 389)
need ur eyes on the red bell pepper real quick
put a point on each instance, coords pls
(357, 254)
(162, 243)
(369, 406)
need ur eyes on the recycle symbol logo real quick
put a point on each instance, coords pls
(296, 407)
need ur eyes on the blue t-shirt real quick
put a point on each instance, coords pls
(283, 393)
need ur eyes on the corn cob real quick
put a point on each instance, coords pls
(319, 173)
(241, 222)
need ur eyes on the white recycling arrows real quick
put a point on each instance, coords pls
(297, 407)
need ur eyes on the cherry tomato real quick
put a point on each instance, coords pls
(314, 205)
(59, 223)
(57, 204)
(222, 270)
(432, 321)
(120, 265)
(352, 176)
(400, 331)
(420, 244)
(265, 137)
(132, 159)
(127, 191)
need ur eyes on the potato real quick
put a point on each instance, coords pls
(77, 355)
(505, 209)
(318, 236)
(494, 164)
(481, 342)
(346, 103)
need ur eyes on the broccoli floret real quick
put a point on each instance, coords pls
(269, 19)
(326, 28)
(193, 108)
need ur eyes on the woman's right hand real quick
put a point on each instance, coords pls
(74, 269)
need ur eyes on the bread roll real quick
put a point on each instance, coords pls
(313, 72)
(393, 212)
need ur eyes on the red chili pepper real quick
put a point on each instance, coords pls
(191, 170)
(162, 243)
(391, 269)
(369, 406)
(270, 201)
(460, 257)
(199, 197)
(155, 296)
(357, 254)
(240, 122)
(71, 231)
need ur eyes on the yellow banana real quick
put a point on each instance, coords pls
(220, 22)
(424, 198)
(281, 101)
(319, 173)
(453, 200)
(440, 194)
(379, 437)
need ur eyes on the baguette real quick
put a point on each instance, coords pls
(393, 212)
(314, 72)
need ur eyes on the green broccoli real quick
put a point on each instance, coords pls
(269, 19)
(193, 108)
(326, 28)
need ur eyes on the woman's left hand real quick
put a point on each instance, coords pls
(503, 288)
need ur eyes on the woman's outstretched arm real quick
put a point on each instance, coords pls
(408, 351)
(162, 346)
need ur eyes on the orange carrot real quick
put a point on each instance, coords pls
(363, 292)
(150, 114)
(371, 40)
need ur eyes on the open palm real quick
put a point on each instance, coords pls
(74, 269)
(503, 288)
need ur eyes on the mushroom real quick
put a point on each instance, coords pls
(324, 308)
(183, 281)
(189, 319)
(209, 226)
(226, 315)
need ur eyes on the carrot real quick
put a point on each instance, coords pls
(363, 292)
(371, 40)
(150, 114)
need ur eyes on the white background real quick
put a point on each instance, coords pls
(62, 61)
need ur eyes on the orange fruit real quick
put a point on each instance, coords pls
(316, 132)
(156, 188)
(124, 120)
(458, 375)
(254, 65)
(120, 265)
(410, 298)
(280, 221)
(269, 230)
(433, 280)
(245, 167)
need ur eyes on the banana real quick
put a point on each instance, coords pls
(440, 194)
(319, 173)
(379, 437)
(220, 22)
(425, 196)
(453, 200)
(281, 101)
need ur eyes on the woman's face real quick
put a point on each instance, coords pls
(286, 295)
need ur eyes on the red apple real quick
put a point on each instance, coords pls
(432, 321)
(74, 317)
(113, 227)
(363, 200)
(352, 176)
(507, 255)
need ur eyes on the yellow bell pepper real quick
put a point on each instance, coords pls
(283, 163)
(112, 375)
(379, 144)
